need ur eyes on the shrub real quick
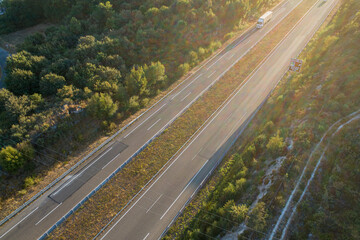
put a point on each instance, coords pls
(11, 160)
(50, 83)
(102, 106)
(183, 69)
(134, 104)
(276, 146)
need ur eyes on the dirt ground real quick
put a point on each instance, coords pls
(9, 41)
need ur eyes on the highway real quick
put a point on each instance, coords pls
(159, 204)
(164, 195)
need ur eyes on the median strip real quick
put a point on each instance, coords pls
(113, 196)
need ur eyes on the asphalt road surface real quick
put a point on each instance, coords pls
(159, 204)
(154, 210)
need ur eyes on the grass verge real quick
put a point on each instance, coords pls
(300, 110)
(113, 196)
(52, 161)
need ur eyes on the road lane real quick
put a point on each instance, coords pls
(183, 177)
(130, 141)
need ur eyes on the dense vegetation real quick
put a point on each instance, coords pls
(251, 189)
(331, 211)
(109, 58)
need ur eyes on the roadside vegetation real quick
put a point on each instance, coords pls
(98, 64)
(245, 197)
(135, 175)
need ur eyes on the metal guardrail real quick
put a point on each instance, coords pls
(253, 115)
(109, 140)
(65, 174)
(213, 169)
(97, 149)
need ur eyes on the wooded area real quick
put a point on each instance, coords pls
(101, 62)
(250, 189)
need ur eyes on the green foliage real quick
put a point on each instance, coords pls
(56, 10)
(21, 81)
(23, 70)
(18, 106)
(102, 106)
(68, 92)
(155, 75)
(27, 150)
(11, 160)
(22, 13)
(276, 146)
(183, 69)
(257, 217)
(50, 83)
(239, 212)
(134, 104)
(108, 55)
(136, 82)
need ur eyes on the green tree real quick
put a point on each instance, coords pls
(68, 92)
(26, 61)
(50, 83)
(136, 82)
(155, 75)
(23, 13)
(18, 106)
(101, 15)
(75, 26)
(11, 160)
(56, 10)
(276, 146)
(105, 79)
(134, 103)
(21, 81)
(102, 106)
(4, 96)
(239, 212)
(26, 149)
(183, 69)
(257, 218)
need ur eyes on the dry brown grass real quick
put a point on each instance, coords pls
(47, 174)
(114, 195)
(9, 41)
(196, 204)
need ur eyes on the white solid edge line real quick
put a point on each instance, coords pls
(222, 108)
(266, 58)
(200, 168)
(111, 161)
(212, 119)
(232, 129)
(189, 84)
(154, 203)
(18, 222)
(154, 124)
(191, 180)
(48, 214)
(144, 121)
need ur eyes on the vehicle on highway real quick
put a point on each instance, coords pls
(264, 19)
